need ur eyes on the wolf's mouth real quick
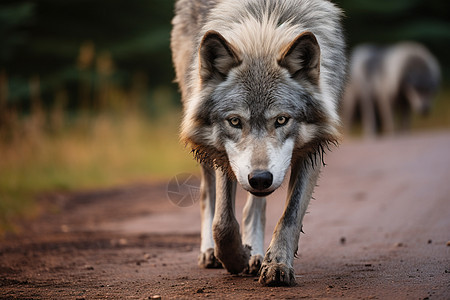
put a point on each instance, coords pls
(261, 194)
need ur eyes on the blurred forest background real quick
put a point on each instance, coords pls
(87, 98)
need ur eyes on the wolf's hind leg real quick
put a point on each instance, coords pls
(229, 249)
(278, 265)
(253, 223)
(206, 259)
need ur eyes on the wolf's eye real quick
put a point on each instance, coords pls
(281, 121)
(235, 122)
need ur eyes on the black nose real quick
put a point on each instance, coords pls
(260, 180)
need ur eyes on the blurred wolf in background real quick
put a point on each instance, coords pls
(390, 83)
(260, 81)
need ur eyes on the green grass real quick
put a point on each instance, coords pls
(91, 152)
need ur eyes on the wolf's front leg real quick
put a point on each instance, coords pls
(278, 265)
(253, 223)
(206, 259)
(228, 249)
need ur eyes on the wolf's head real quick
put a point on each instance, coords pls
(253, 115)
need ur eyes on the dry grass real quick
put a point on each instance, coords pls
(439, 116)
(52, 151)
(438, 119)
(105, 140)
(84, 152)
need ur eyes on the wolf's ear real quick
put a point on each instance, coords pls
(302, 58)
(217, 57)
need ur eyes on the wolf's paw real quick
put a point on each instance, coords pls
(234, 260)
(276, 274)
(207, 260)
(254, 264)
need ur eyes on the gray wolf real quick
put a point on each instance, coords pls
(388, 85)
(259, 81)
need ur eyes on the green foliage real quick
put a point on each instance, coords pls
(13, 18)
(386, 21)
(44, 38)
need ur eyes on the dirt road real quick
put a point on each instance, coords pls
(378, 228)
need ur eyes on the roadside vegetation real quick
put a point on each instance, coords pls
(53, 150)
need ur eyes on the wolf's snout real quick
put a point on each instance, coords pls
(260, 180)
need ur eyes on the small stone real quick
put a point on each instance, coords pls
(430, 241)
(448, 244)
(343, 240)
(65, 228)
(155, 297)
(200, 291)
